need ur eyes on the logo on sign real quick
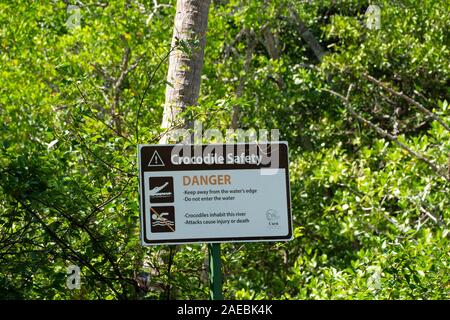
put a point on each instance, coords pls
(272, 218)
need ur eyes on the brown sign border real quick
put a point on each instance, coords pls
(164, 150)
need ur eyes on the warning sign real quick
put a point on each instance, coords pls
(214, 193)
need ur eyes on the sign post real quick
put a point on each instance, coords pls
(215, 272)
(214, 193)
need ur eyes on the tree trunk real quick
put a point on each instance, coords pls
(184, 75)
(186, 60)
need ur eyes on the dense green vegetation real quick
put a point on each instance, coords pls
(367, 123)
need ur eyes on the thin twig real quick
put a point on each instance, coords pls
(97, 119)
(408, 99)
(63, 244)
(146, 89)
(386, 134)
(426, 212)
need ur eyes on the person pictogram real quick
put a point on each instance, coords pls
(162, 219)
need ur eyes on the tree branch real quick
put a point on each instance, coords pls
(251, 44)
(386, 134)
(97, 119)
(408, 99)
(147, 87)
(307, 35)
(271, 44)
(66, 247)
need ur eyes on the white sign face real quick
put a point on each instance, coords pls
(214, 193)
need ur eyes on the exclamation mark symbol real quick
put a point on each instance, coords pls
(156, 160)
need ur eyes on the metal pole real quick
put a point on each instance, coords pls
(215, 272)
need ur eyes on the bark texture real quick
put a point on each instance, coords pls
(186, 59)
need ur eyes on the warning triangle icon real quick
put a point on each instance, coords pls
(156, 160)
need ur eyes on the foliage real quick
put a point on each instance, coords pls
(371, 218)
